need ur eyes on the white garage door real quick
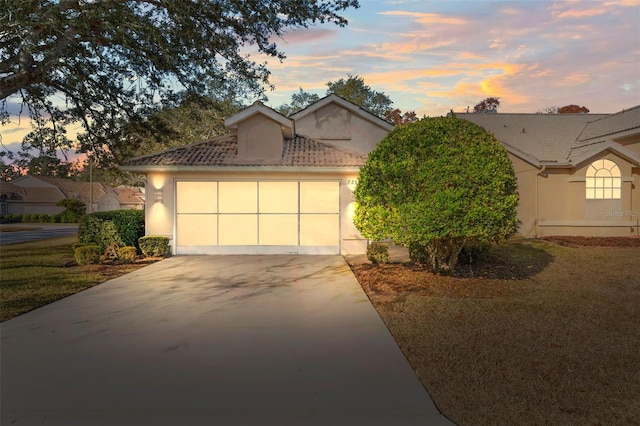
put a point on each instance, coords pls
(257, 217)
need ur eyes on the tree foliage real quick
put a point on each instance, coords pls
(437, 184)
(573, 109)
(567, 109)
(190, 118)
(98, 62)
(299, 101)
(355, 90)
(51, 166)
(397, 118)
(488, 105)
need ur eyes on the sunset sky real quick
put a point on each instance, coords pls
(431, 57)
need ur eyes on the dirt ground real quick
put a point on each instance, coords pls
(596, 241)
(545, 332)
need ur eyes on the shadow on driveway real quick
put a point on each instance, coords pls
(203, 340)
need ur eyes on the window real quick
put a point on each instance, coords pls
(603, 181)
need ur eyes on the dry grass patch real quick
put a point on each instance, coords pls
(542, 334)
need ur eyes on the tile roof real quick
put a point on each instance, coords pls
(56, 189)
(615, 123)
(129, 194)
(546, 138)
(73, 189)
(41, 195)
(222, 151)
(9, 188)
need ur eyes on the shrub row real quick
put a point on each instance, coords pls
(90, 253)
(63, 217)
(117, 227)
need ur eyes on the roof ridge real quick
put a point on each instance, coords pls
(615, 113)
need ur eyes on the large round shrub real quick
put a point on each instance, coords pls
(436, 185)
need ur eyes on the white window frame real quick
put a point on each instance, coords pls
(603, 181)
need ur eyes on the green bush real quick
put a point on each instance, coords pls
(434, 185)
(79, 244)
(418, 253)
(153, 245)
(87, 255)
(15, 217)
(121, 227)
(73, 210)
(127, 254)
(378, 252)
(44, 218)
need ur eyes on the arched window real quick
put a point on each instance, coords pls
(603, 180)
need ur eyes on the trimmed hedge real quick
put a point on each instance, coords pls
(154, 245)
(87, 255)
(378, 252)
(127, 254)
(120, 227)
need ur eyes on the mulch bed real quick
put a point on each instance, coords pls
(595, 241)
(397, 279)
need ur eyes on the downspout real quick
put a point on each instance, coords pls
(540, 171)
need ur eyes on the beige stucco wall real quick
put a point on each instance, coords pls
(259, 137)
(564, 210)
(338, 126)
(160, 216)
(631, 142)
(526, 174)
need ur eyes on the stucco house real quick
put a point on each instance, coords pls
(274, 184)
(279, 184)
(578, 174)
(31, 194)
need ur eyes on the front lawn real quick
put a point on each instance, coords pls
(36, 273)
(542, 334)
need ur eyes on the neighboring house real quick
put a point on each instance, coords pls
(578, 174)
(275, 184)
(39, 195)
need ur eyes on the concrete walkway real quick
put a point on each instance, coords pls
(212, 340)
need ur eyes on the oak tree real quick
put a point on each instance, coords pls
(99, 62)
(487, 105)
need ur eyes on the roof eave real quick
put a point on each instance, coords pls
(248, 169)
(614, 147)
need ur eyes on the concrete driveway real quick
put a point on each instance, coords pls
(212, 340)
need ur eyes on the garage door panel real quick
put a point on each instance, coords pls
(319, 197)
(196, 197)
(278, 197)
(238, 230)
(319, 229)
(258, 217)
(197, 229)
(238, 197)
(279, 230)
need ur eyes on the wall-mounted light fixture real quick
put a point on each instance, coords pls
(158, 195)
